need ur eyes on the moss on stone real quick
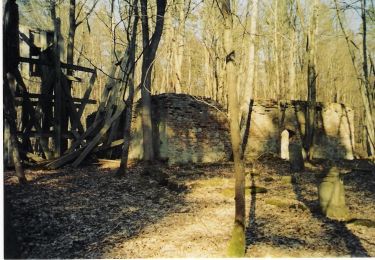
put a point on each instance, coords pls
(338, 213)
(212, 182)
(257, 189)
(237, 244)
(332, 196)
(285, 204)
(287, 180)
(229, 192)
(268, 179)
(278, 203)
(363, 222)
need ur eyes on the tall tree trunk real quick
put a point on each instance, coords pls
(366, 97)
(248, 90)
(113, 40)
(167, 37)
(370, 117)
(180, 41)
(292, 66)
(10, 116)
(208, 72)
(129, 80)
(311, 83)
(247, 95)
(276, 49)
(71, 35)
(150, 46)
(10, 64)
(69, 60)
(237, 244)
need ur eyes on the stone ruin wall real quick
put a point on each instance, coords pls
(334, 132)
(185, 130)
(188, 130)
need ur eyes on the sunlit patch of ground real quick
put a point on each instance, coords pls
(201, 228)
(89, 213)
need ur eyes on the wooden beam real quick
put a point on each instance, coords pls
(89, 131)
(64, 159)
(77, 104)
(105, 147)
(68, 135)
(75, 120)
(52, 98)
(77, 67)
(94, 142)
(73, 78)
(34, 157)
(85, 99)
(63, 65)
(34, 114)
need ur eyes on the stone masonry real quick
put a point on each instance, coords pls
(193, 129)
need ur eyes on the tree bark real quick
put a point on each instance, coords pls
(276, 50)
(71, 35)
(180, 41)
(129, 102)
(370, 117)
(237, 245)
(250, 77)
(10, 64)
(10, 116)
(311, 84)
(150, 46)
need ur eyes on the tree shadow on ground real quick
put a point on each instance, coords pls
(255, 233)
(251, 230)
(335, 234)
(333, 228)
(84, 212)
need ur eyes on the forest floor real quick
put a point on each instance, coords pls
(90, 213)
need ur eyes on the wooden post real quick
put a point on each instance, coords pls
(10, 116)
(58, 104)
(34, 114)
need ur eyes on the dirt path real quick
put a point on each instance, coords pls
(88, 213)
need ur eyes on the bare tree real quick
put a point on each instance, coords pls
(237, 243)
(367, 98)
(129, 80)
(150, 46)
(11, 60)
(311, 82)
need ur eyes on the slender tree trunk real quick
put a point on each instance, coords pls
(370, 118)
(129, 80)
(208, 71)
(69, 60)
(366, 97)
(237, 245)
(167, 36)
(150, 46)
(113, 24)
(292, 67)
(10, 116)
(180, 41)
(311, 83)
(276, 49)
(248, 90)
(247, 95)
(71, 35)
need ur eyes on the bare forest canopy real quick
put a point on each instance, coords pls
(190, 56)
